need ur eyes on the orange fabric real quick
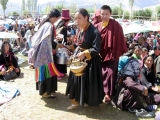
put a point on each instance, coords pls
(16, 26)
(120, 80)
(87, 54)
(72, 47)
(74, 102)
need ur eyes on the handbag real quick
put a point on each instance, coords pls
(10, 75)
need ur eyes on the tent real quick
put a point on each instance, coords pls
(136, 28)
(8, 35)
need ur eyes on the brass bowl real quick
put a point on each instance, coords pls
(76, 62)
(78, 70)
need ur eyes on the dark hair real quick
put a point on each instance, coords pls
(129, 53)
(30, 28)
(106, 7)
(24, 39)
(137, 46)
(145, 58)
(144, 49)
(156, 48)
(140, 38)
(157, 36)
(53, 13)
(2, 48)
(84, 13)
(62, 23)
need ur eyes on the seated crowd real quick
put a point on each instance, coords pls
(138, 80)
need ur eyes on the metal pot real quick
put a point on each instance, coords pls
(61, 58)
(77, 67)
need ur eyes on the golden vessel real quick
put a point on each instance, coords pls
(77, 67)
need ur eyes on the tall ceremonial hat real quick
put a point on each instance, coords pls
(65, 14)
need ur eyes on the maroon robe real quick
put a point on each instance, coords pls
(129, 96)
(112, 47)
(113, 43)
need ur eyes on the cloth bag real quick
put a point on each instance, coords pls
(10, 75)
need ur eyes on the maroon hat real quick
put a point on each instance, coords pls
(65, 14)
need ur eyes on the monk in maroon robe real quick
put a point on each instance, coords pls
(112, 47)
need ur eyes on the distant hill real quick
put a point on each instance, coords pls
(11, 7)
(138, 4)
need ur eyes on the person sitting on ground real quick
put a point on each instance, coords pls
(148, 79)
(123, 60)
(137, 52)
(145, 44)
(155, 40)
(156, 59)
(144, 54)
(147, 76)
(158, 43)
(25, 47)
(131, 95)
(8, 61)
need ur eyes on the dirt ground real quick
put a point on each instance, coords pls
(30, 106)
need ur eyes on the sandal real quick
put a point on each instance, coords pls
(107, 99)
(45, 95)
(72, 106)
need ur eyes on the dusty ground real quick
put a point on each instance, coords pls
(30, 106)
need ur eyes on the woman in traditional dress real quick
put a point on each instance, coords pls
(42, 57)
(148, 79)
(88, 88)
(7, 60)
(62, 28)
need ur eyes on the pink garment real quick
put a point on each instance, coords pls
(95, 18)
(137, 36)
(97, 13)
(1, 67)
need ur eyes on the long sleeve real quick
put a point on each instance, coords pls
(64, 32)
(144, 80)
(2, 61)
(54, 44)
(15, 62)
(94, 50)
(132, 85)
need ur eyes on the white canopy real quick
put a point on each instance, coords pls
(8, 35)
(136, 28)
